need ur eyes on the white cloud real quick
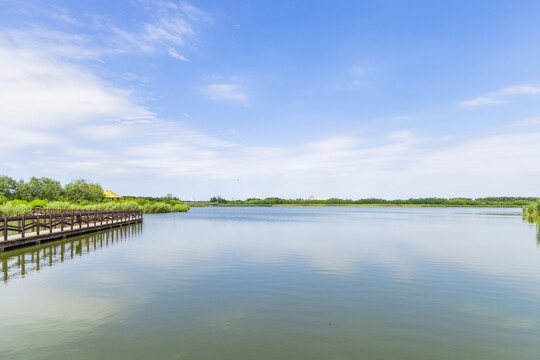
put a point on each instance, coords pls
(106, 132)
(169, 27)
(41, 92)
(482, 100)
(224, 91)
(500, 97)
(175, 55)
(168, 30)
(530, 121)
(519, 89)
(492, 155)
(52, 104)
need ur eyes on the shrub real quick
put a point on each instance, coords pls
(18, 202)
(38, 203)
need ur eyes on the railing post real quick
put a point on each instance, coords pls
(23, 227)
(37, 223)
(50, 223)
(62, 222)
(5, 228)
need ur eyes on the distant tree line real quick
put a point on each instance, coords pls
(505, 201)
(48, 189)
(152, 198)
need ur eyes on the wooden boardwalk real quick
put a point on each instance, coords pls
(49, 224)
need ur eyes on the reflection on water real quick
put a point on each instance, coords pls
(291, 283)
(21, 261)
(534, 220)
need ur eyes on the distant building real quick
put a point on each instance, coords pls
(169, 196)
(108, 194)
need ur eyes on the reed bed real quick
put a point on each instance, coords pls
(532, 212)
(21, 207)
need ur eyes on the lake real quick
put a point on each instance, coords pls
(281, 283)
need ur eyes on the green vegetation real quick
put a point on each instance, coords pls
(20, 198)
(80, 190)
(21, 207)
(480, 202)
(532, 212)
(15, 210)
(48, 189)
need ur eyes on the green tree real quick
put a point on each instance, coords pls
(8, 187)
(52, 190)
(39, 188)
(218, 199)
(80, 190)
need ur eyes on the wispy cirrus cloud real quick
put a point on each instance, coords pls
(176, 55)
(501, 96)
(226, 91)
(169, 28)
(360, 74)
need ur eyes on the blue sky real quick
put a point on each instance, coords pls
(350, 99)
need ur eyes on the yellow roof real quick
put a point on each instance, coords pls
(110, 195)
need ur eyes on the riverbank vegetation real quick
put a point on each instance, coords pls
(20, 198)
(440, 202)
(532, 212)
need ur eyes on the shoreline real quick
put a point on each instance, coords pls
(359, 205)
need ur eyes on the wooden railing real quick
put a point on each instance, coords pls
(48, 221)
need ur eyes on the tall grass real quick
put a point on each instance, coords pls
(15, 209)
(147, 207)
(532, 212)
(61, 205)
(125, 205)
(21, 207)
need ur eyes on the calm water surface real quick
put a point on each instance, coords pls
(281, 283)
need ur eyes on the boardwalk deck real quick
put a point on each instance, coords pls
(48, 224)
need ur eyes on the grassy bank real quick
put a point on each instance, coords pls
(21, 207)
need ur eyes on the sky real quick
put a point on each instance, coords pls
(349, 99)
